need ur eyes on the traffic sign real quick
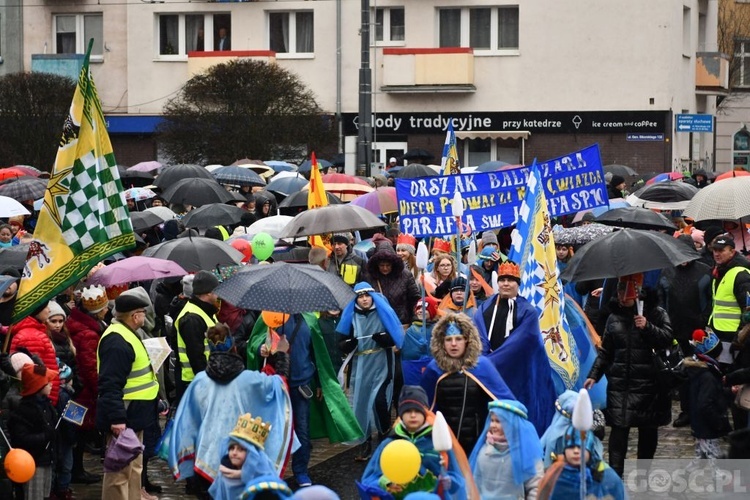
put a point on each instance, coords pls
(694, 123)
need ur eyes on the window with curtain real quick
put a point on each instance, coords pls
(168, 34)
(73, 32)
(291, 32)
(485, 29)
(389, 24)
(194, 33)
(182, 33)
(450, 27)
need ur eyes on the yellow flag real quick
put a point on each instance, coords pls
(84, 218)
(316, 198)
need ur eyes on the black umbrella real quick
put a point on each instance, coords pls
(636, 218)
(621, 170)
(170, 175)
(14, 256)
(197, 192)
(144, 220)
(664, 196)
(213, 215)
(196, 253)
(286, 288)
(331, 219)
(625, 252)
(418, 154)
(24, 188)
(299, 199)
(414, 170)
(287, 185)
(238, 176)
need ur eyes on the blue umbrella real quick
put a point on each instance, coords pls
(238, 176)
(307, 165)
(491, 166)
(281, 166)
(287, 185)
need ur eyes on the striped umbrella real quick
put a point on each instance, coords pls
(238, 176)
(24, 188)
(381, 201)
(346, 187)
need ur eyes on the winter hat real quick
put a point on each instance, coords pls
(489, 253)
(722, 241)
(344, 238)
(431, 306)
(407, 242)
(94, 298)
(698, 236)
(187, 285)
(18, 360)
(204, 282)
(126, 303)
(489, 238)
(34, 378)
(710, 233)
(616, 180)
(412, 397)
(458, 284)
(706, 342)
(56, 309)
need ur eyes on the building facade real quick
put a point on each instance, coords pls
(519, 79)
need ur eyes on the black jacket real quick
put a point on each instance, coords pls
(32, 428)
(116, 359)
(634, 398)
(709, 401)
(464, 405)
(685, 292)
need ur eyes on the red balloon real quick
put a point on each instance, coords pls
(19, 465)
(243, 246)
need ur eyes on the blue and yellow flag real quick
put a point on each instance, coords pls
(84, 218)
(450, 164)
(534, 250)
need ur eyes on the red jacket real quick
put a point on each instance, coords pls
(85, 332)
(32, 335)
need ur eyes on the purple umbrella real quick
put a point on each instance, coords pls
(135, 269)
(146, 166)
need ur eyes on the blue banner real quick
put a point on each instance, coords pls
(572, 183)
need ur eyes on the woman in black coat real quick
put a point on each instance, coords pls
(388, 276)
(626, 356)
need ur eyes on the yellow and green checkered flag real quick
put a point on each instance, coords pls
(84, 218)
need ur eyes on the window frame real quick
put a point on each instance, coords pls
(81, 43)
(742, 55)
(465, 29)
(387, 40)
(182, 54)
(292, 16)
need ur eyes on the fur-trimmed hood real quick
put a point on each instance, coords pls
(385, 254)
(473, 343)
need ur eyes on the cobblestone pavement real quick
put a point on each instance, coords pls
(334, 465)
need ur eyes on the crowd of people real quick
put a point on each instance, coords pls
(246, 392)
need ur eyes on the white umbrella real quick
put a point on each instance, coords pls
(728, 199)
(10, 207)
(272, 225)
(281, 175)
(164, 213)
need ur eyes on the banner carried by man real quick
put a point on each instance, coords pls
(84, 218)
(571, 183)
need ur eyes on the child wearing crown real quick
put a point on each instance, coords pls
(244, 459)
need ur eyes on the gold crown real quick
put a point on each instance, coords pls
(252, 430)
(509, 268)
(94, 298)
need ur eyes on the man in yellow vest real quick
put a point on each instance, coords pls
(731, 292)
(128, 391)
(196, 317)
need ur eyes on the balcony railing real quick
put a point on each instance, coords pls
(711, 73)
(58, 64)
(428, 70)
(198, 62)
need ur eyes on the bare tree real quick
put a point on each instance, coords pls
(733, 32)
(241, 109)
(33, 108)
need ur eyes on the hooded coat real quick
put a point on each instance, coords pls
(32, 335)
(709, 403)
(462, 387)
(626, 356)
(398, 286)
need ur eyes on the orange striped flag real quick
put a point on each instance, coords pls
(316, 198)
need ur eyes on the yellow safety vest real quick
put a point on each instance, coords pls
(726, 313)
(187, 370)
(141, 384)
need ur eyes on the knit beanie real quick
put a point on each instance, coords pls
(489, 238)
(18, 360)
(431, 307)
(56, 309)
(34, 378)
(204, 282)
(706, 342)
(412, 397)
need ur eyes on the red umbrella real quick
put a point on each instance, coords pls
(732, 173)
(12, 172)
(346, 187)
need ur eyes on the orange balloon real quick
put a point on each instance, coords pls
(274, 319)
(19, 465)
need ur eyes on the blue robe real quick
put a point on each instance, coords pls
(415, 353)
(483, 374)
(196, 448)
(568, 485)
(430, 462)
(522, 361)
(257, 464)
